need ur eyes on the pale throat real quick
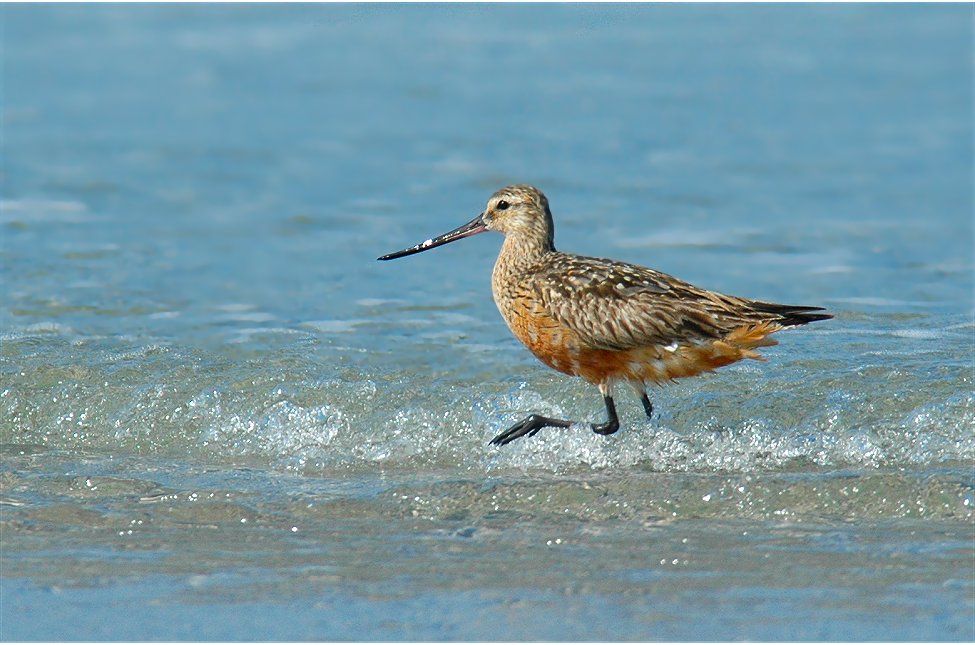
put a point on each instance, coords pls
(519, 251)
(520, 255)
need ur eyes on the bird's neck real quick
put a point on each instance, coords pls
(522, 251)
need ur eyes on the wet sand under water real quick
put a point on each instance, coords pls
(170, 552)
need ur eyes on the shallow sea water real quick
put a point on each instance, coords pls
(221, 418)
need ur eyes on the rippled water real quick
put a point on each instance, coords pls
(214, 399)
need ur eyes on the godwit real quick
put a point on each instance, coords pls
(608, 321)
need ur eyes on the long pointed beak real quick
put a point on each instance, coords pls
(472, 227)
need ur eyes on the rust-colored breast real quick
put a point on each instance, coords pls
(562, 349)
(605, 321)
(549, 341)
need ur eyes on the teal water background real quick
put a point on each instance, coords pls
(221, 418)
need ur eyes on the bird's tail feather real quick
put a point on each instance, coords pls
(791, 315)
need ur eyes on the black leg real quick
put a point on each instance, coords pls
(613, 424)
(528, 426)
(647, 406)
(532, 424)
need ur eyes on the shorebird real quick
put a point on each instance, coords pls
(607, 321)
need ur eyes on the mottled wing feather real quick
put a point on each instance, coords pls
(613, 305)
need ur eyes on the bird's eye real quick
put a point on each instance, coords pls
(502, 205)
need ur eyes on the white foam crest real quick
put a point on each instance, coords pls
(827, 438)
(432, 429)
(48, 327)
(43, 210)
(345, 326)
(284, 415)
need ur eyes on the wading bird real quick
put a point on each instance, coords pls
(608, 321)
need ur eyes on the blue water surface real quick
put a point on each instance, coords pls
(221, 418)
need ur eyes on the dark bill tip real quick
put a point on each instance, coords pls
(472, 227)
